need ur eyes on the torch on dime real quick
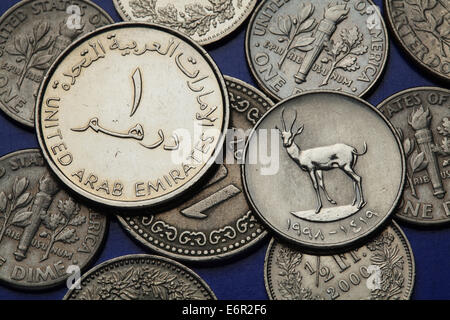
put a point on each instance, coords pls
(422, 119)
(43, 231)
(298, 46)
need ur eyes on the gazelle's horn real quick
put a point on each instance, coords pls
(282, 120)
(295, 119)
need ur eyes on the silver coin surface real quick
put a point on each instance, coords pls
(33, 34)
(205, 21)
(422, 28)
(422, 119)
(147, 142)
(383, 269)
(297, 46)
(141, 277)
(216, 222)
(43, 231)
(323, 169)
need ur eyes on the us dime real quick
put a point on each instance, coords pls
(422, 28)
(141, 277)
(205, 21)
(44, 233)
(313, 168)
(33, 34)
(422, 119)
(382, 269)
(297, 46)
(146, 143)
(216, 223)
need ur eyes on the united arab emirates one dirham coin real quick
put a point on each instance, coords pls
(422, 29)
(141, 277)
(33, 34)
(298, 46)
(216, 222)
(382, 269)
(421, 117)
(45, 234)
(132, 115)
(323, 169)
(205, 21)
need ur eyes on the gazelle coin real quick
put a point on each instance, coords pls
(132, 115)
(323, 169)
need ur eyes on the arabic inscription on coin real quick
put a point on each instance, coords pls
(146, 143)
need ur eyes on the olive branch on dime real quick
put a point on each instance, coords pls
(290, 27)
(29, 49)
(9, 204)
(57, 223)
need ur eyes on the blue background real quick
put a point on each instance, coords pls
(243, 279)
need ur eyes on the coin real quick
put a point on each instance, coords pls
(216, 222)
(205, 21)
(44, 233)
(33, 34)
(313, 168)
(141, 277)
(422, 29)
(145, 143)
(422, 119)
(382, 269)
(298, 46)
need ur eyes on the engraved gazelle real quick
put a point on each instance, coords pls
(316, 160)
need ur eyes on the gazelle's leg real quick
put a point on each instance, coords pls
(355, 191)
(312, 174)
(322, 185)
(356, 179)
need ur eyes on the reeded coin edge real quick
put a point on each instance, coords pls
(144, 203)
(401, 218)
(141, 258)
(11, 115)
(336, 245)
(210, 39)
(278, 99)
(60, 281)
(192, 255)
(415, 61)
(407, 246)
